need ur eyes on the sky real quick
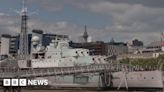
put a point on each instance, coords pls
(123, 20)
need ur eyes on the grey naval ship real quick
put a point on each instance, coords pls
(59, 54)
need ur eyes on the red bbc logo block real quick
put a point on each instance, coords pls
(14, 82)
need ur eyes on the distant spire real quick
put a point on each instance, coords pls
(112, 40)
(23, 4)
(24, 8)
(23, 42)
(85, 35)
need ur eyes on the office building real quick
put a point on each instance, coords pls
(9, 44)
(116, 48)
(46, 38)
(95, 48)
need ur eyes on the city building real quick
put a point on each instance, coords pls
(156, 46)
(5, 41)
(152, 50)
(116, 48)
(85, 37)
(95, 48)
(10, 44)
(153, 47)
(137, 43)
(102, 48)
(14, 41)
(140, 55)
(47, 38)
(0, 46)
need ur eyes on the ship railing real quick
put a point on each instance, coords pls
(9, 72)
(68, 70)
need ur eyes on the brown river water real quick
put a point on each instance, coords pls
(77, 91)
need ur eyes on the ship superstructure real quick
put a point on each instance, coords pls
(59, 54)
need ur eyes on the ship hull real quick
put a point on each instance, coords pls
(134, 80)
(138, 79)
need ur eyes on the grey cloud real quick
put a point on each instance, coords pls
(148, 3)
(8, 24)
(58, 27)
(54, 5)
(131, 19)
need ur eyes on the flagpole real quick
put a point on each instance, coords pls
(162, 35)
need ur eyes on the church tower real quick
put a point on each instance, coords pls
(85, 35)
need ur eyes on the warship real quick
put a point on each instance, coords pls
(59, 54)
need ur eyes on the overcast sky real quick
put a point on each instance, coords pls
(124, 20)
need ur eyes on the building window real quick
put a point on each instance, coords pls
(42, 55)
(49, 57)
(35, 56)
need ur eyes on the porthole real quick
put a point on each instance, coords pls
(93, 59)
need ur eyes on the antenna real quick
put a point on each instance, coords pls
(24, 10)
(23, 4)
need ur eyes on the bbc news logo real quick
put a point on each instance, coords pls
(25, 82)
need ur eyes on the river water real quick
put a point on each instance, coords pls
(77, 91)
(80, 91)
